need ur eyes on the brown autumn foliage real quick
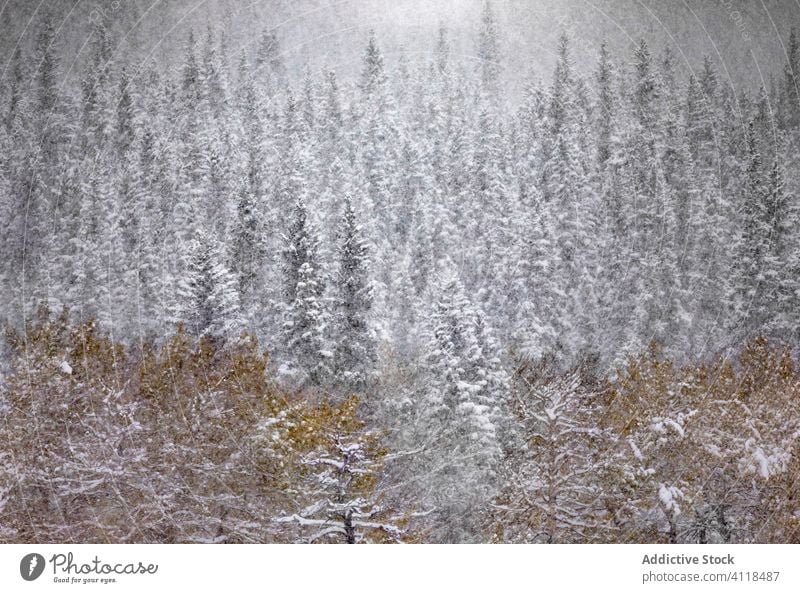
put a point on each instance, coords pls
(671, 453)
(191, 441)
(722, 433)
(188, 441)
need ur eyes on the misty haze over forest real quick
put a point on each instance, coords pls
(400, 271)
(744, 39)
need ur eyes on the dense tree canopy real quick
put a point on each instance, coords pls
(397, 307)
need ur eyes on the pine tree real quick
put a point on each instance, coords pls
(355, 344)
(305, 311)
(708, 83)
(373, 75)
(190, 211)
(570, 197)
(488, 52)
(190, 77)
(464, 403)
(442, 52)
(211, 77)
(752, 242)
(780, 284)
(248, 247)
(333, 118)
(43, 164)
(645, 90)
(606, 103)
(309, 107)
(791, 74)
(125, 115)
(16, 97)
(269, 63)
(208, 297)
(146, 267)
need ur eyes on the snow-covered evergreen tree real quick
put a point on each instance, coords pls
(306, 314)
(352, 335)
(208, 298)
(465, 399)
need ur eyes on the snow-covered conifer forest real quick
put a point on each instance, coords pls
(252, 300)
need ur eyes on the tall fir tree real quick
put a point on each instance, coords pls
(355, 348)
(488, 52)
(306, 315)
(208, 296)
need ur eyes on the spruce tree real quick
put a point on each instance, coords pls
(606, 104)
(248, 246)
(442, 51)
(752, 242)
(353, 338)
(488, 52)
(208, 297)
(464, 408)
(307, 359)
(373, 75)
(791, 75)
